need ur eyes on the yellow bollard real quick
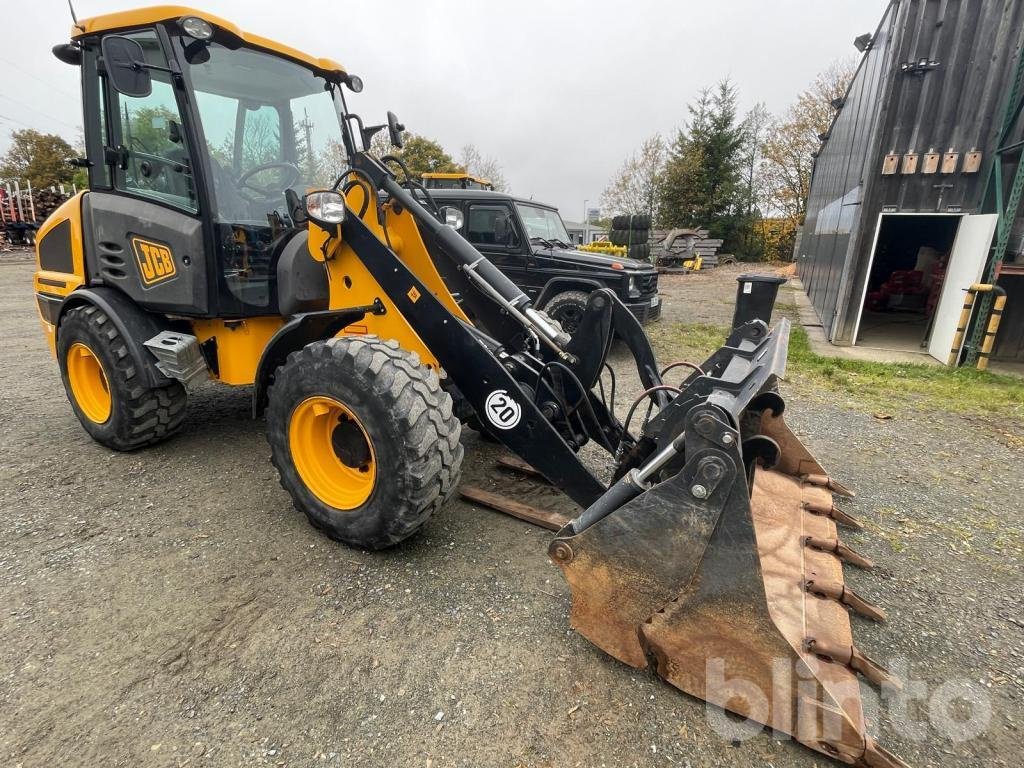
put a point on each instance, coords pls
(993, 327)
(965, 319)
(961, 327)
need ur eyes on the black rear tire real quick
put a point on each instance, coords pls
(641, 252)
(139, 415)
(407, 420)
(634, 221)
(568, 308)
(629, 236)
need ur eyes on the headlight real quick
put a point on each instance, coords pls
(452, 217)
(326, 209)
(198, 28)
(634, 289)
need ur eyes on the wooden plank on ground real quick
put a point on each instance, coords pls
(508, 461)
(553, 521)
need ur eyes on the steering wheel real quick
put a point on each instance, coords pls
(293, 174)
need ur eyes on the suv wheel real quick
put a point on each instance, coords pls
(568, 308)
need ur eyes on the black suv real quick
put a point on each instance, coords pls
(528, 242)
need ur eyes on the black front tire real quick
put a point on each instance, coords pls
(139, 415)
(568, 308)
(407, 418)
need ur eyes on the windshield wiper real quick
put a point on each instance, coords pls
(544, 241)
(562, 244)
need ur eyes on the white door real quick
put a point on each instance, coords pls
(966, 263)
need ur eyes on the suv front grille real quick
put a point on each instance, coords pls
(647, 283)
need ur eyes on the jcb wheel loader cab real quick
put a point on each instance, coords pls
(364, 439)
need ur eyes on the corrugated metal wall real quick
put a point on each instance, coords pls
(834, 209)
(955, 104)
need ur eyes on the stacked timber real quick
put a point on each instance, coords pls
(677, 246)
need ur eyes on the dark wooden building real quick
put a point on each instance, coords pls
(916, 189)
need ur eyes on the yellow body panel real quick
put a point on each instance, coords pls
(352, 285)
(141, 17)
(240, 343)
(61, 283)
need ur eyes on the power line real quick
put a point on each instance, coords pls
(37, 78)
(16, 120)
(39, 112)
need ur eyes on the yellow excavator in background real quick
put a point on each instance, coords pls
(218, 240)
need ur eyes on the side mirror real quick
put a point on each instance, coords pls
(126, 66)
(325, 209)
(395, 130)
(453, 217)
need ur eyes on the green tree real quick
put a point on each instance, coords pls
(420, 154)
(483, 167)
(702, 184)
(41, 158)
(636, 186)
(423, 155)
(791, 142)
(755, 126)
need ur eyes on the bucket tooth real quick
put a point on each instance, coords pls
(824, 481)
(795, 458)
(834, 590)
(852, 657)
(834, 512)
(839, 549)
(878, 757)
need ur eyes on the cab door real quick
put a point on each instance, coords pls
(144, 234)
(493, 229)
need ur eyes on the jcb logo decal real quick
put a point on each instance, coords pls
(156, 262)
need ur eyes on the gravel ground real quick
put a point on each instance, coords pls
(170, 607)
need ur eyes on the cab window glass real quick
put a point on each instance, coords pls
(154, 160)
(270, 127)
(491, 225)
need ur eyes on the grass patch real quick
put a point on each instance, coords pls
(885, 386)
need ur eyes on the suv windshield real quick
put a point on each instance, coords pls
(543, 223)
(269, 125)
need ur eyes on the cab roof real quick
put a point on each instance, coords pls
(141, 17)
(484, 195)
(438, 175)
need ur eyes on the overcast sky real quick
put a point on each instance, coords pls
(560, 91)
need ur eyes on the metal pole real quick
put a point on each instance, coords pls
(1008, 212)
(17, 195)
(31, 202)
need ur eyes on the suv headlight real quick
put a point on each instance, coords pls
(634, 289)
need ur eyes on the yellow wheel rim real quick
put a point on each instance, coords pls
(332, 452)
(89, 383)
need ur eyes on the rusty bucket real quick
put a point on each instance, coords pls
(728, 578)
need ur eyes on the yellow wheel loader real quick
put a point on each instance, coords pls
(236, 228)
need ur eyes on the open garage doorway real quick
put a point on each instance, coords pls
(906, 273)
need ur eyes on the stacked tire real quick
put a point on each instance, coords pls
(634, 232)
